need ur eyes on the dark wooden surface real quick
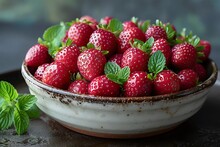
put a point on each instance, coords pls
(203, 129)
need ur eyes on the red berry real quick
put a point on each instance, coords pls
(201, 72)
(127, 36)
(102, 86)
(156, 32)
(135, 59)
(116, 58)
(92, 21)
(183, 56)
(40, 70)
(37, 55)
(128, 24)
(56, 75)
(106, 20)
(80, 33)
(206, 51)
(188, 78)
(138, 84)
(68, 56)
(164, 47)
(79, 87)
(105, 40)
(91, 63)
(166, 82)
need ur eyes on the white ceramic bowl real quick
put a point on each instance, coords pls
(119, 117)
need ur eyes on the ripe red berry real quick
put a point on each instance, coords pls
(164, 47)
(106, 20)
(128, 24)
(127, 36)
(138, 84)
(166, 82)
(79, 33)
(79, 87)
(92, 21)
(40, 70)
(135, 59)
(102, 86)
(206, 51)
(156, 32)
(116, 58)
(37, 55)
(68, 56)
(91, 63)
(56, 75)
(201, 72)
(183, 56)
(105, 40)
(188, 78)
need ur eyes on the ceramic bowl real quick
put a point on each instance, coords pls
(120, 117)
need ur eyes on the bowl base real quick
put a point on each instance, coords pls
(121, 136)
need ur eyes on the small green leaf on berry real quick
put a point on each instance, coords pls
(156, 62)
(115, 26)
(111, 68)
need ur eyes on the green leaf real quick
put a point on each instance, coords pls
(111, 68)
(156, 62)
(33, 112)
(124, 74)
(199, 48)
(25, 102)
(144, 26)
(7, 91)
(134, 20)
(113, 77)
(21, 121)
(6, 118)
(115, 26)
(90, 45)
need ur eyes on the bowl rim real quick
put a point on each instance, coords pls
(90, 98)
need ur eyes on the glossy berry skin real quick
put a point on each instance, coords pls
(92, 21)
(201, 72)
(138, 84)
(40, 70)
(80, 33)
(106, 20)
(162, 45)
(56, 75)
(116, 58)
(206, 51)
(128, 35)
(37, 55)
(91, 63)
(68, 56)
(156, 32)
(102, 86)
(105, 40)
(183, 56)
(135, 59)
(188, 79)
(128, 24)
(79, 87)
(166, 82)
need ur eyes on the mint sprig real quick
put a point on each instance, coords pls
(16, 108)
(115, 73)
(52, 37)
(156, 64)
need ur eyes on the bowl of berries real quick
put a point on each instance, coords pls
(119, 80)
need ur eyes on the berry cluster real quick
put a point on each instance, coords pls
(111, 58)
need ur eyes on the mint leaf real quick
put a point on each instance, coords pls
(33, 112)
(156, 62)
(6, 118)
(111, 68)
(113, 77)
(124, 74)
(25, 102)
(7, 91)
(115, 26)
(21, 121)
(144, 26)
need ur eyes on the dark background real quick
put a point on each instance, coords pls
(23, 21)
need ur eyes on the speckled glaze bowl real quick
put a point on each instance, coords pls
(120, 117)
